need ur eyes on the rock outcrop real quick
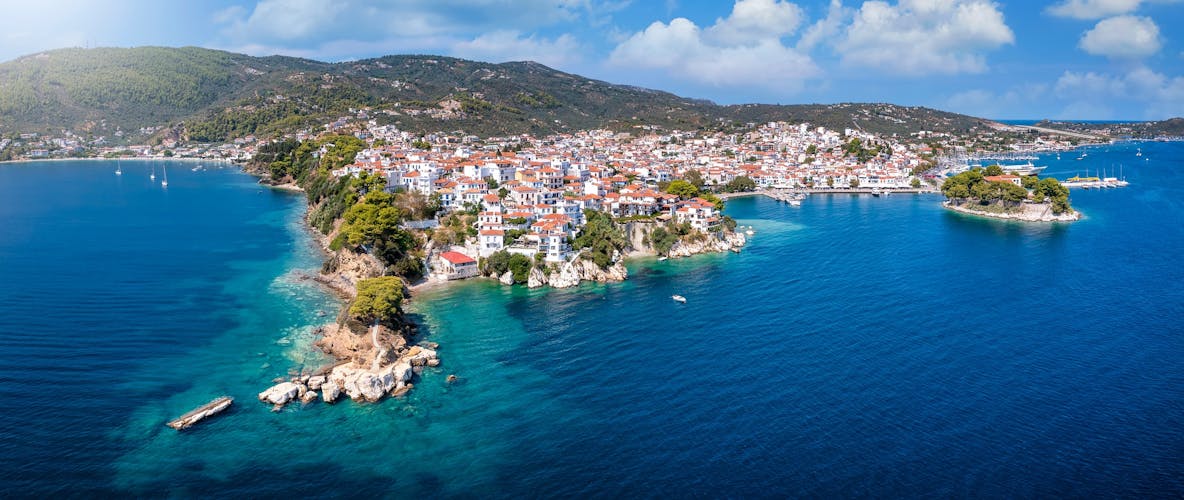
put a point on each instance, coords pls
(706, 243)
(507, 279)
(280, 394)
(536, 278)
(571, 274)
(345, 268)
(330, 391)
(363, 384)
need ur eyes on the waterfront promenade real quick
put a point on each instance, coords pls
(785, 194)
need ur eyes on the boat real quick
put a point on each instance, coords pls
(876, 192)
(165, 182)
(118, 169)
(662, 258)
(679, 299)
(795, 203)
(152, 176)
(1140, 153)
(1023, 169)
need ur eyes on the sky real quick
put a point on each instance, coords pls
(1062, 59)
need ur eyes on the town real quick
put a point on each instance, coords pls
(529, 195)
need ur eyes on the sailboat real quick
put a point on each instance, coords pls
(165, 182)
(118, 169)
(152, 176)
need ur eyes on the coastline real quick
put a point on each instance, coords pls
(1041, 214)
(813, 191)
(134, 158)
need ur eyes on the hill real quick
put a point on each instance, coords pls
(221, 95)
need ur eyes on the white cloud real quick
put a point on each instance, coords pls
(1158, 95)
(921, 37)
(744, 49)
(756, 20)
(825, 28)
(1093, 9)
(507, 45)
(1122, 37)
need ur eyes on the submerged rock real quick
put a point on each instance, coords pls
(308, 397)
(419, 356)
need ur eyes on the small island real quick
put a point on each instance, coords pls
(990, 192)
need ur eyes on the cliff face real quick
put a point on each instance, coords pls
(721, 242)
(638, 236)
(344, 269)
(580, 270)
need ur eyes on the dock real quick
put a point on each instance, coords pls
(1094, 182)
(201, 413)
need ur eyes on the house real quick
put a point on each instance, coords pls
(491, 241)
(699, 213)
(456, 265)
(1014, 179)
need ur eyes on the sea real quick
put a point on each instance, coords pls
(857, 347)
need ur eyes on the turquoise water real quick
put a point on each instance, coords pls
(859, 346)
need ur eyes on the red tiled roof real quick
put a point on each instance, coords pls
(457, 258)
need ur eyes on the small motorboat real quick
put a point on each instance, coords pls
(679, 298)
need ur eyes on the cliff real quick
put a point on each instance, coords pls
(639, 236)
(698, 243)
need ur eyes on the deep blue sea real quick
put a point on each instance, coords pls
(858, 346)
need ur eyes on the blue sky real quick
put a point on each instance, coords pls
(1075, 59)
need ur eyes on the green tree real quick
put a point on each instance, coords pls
(683, 189)
(915, 183)
(855, 182)
(1013, 193)
(695, 178)
(378, 299)
(741, 184)
(811, 150)
(520, 266)
(993, 170)
(601, 237)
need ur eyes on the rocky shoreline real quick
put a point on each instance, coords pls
(579, 269)
(379, 361)
(1029, 212)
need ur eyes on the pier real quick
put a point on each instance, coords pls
(201, 413)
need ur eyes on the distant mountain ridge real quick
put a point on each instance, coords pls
(221, 95)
